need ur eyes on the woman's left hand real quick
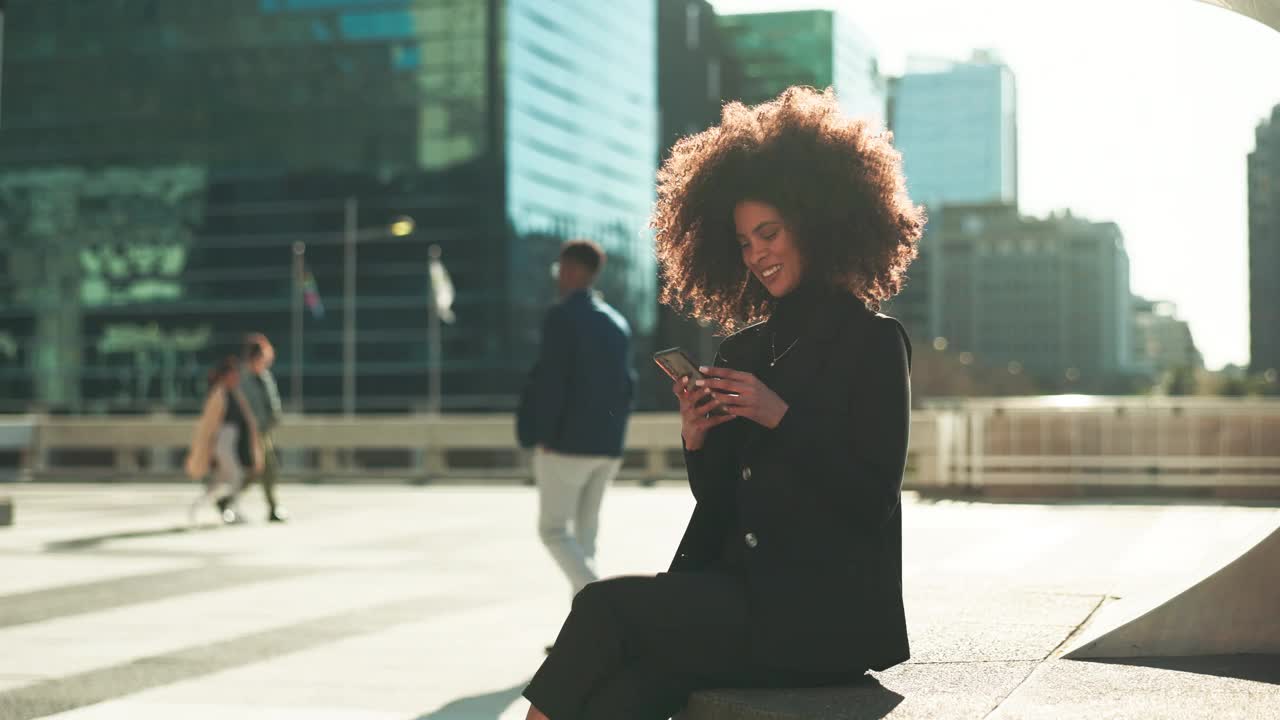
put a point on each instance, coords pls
(743, 395)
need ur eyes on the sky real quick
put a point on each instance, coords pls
(1140, 112)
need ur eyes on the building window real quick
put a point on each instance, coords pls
(692, 24)
(971, 225)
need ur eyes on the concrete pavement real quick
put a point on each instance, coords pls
(381, 603)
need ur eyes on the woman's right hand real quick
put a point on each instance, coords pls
(695, 406)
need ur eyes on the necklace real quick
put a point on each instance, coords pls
(773, 349)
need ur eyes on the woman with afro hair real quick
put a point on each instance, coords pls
(787, 225)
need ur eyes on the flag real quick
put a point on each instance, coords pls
(311, 295)
(441, 290)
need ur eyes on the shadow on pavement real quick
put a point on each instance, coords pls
(478, 707)
(91, 541)
(866, 699)
(863, 699)
(1258, 668)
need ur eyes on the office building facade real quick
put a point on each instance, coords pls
(1161, 341)
(1050, 296)
(161, 160)
(1264, 247)
(819, 48)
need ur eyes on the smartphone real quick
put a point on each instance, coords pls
(675, 363)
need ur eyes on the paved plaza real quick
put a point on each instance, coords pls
(435, 603)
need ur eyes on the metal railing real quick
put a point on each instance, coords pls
(965, 445)
(412, 447)
(1085, 441)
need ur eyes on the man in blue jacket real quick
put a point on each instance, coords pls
(574, 411)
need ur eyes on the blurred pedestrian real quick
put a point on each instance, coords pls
(259, 388)
(574, 411)
(792, 220)
(224, 444)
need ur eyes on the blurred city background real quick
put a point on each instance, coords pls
(1103, 184)
(382, 186)
(160, 161)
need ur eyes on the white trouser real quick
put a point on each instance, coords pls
(570, 488)
(228, 476)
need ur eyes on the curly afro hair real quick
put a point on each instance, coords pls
(837, 183)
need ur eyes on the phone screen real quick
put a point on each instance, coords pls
(676, 364)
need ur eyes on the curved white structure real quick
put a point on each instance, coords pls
(1233, 611)
(1264, 11)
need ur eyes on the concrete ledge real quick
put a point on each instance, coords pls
(863, 700)
(6, 511)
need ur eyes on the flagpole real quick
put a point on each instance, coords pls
(349, 308)
(295, 329)
(434, 348)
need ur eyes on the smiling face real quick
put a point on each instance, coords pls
(768, 249)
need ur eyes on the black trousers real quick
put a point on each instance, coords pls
(270, 470)
(635, 648)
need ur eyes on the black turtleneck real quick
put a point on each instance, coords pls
(790, 317)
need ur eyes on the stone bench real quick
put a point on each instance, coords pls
(866, 699)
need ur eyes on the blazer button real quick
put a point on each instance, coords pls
(746, 473)
(751, 540)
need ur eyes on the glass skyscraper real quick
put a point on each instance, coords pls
(956, 126)
(581, 145)
(160, 160)
(819, 48)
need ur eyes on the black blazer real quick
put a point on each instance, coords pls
(579, 394)
(815, 502)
